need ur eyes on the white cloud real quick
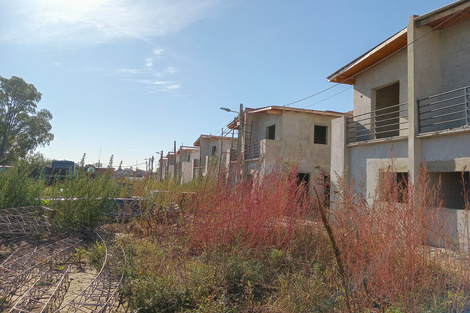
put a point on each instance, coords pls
(97, 21)
(148, 62)
(171, 70)
(158, 51)
(171, 87)
(128, 71)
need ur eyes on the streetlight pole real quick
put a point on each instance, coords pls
(241, 137)
(239, 126)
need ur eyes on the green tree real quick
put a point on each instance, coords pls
(22, 127)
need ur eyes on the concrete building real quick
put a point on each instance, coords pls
(162, 168)
(186, 158)
(214, 153)
(169, 165)
(411, 92)
(285, 134)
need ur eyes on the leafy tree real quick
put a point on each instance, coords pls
(22, 128)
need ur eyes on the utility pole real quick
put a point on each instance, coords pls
(241, 137)
(174, 167)
(240, 131)
(221, 145)
(161, 165)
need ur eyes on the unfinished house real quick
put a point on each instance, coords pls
(214, 153)
(168, 168)
(185, 160)
(412, 93)
(285, 134)
(162, 168)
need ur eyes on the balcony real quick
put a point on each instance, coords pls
(443, 111)
(388, 122)
(252, 152)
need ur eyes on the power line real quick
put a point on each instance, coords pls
(382, 60)
(349, 87)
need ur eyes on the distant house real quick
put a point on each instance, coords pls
(170, 165)
(162, 168)
(411, 92)
(185, 160)
(214, 153)
(274, 133)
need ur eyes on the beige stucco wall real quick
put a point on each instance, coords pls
(294, 143)
(222, 145)
(255, 126)
(381, 75)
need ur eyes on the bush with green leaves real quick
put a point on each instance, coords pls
(84, 201)
(18, 189)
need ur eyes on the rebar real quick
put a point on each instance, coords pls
(25, 264)
(46, 294)
(101, 294)
(26, 221)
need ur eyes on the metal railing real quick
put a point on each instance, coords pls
(252, 151)
(386, 122)
(444, 111)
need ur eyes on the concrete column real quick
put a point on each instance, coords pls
(339, 154)
(414, 147)
(424, 79)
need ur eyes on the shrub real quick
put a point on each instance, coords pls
(18, 189)
(84, 201)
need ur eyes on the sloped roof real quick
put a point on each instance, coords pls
(187, 148)
(438, 19)
(280, 109)
(197, 143)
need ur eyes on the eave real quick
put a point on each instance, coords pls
(347, 74)
(448, 15)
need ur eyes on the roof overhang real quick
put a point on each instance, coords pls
(347, 74)
(197, 143)
(438, 19)
(450, 14)
(281, 109)
(187, 148)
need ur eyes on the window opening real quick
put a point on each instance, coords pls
(387, 111)
(271, 132)
(303, 180)
(394, 185)
(454, 187)
(319, 134)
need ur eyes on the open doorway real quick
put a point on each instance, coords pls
(387, 111)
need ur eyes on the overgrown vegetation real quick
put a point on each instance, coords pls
(260, 245)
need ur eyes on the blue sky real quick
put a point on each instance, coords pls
(128, 77)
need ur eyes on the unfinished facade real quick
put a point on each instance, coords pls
(285, 134)
(186, 157)
(214, 153)
(411, 92)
